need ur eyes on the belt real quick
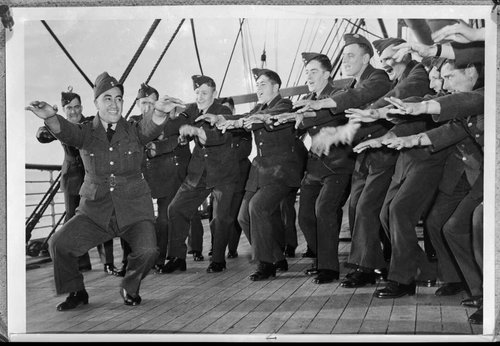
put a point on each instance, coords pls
(112, 179)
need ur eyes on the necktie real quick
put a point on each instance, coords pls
(314, 96)
(110, 132)
(264, 106)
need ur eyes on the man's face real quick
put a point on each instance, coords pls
(266, 89)
(317, 76)
(205, 96)
(73, 110)
(110, 104)
(457, 80)
(146, 104)
(353, 60)
(435, 81)
(393, 69)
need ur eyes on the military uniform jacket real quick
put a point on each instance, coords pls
(167, 170)
(277, 161)
(413, 82)
(465, 136)
(340, 159)
(72, 171)
(113, 179)
(214, 163)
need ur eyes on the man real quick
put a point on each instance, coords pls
(164, 167)
(213, 168)
(461, 187)
(273, 175)
(242, 141)
(72, 174)
(374, 169)
(115, 198)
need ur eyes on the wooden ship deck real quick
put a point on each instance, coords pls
(195, 303)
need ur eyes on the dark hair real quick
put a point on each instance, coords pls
(365, 48)
(227, 100)
(273, 76)
(324, 61)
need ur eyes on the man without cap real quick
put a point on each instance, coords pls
(273, 175)
(72, 174)
(213, 168)
(164, 167)
(115, 198)
(325, 188)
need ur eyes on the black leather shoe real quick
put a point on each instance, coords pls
(232, 254)
(174, 264)
(395, 290)
(426, 283)
(311, 271)
(121, 272)
(309, 253)
(216, 267)
(358, 279)
(473, 302)
(73, 300)
(210, 253)
(477, 317)
(110, 269)
(264, 271)
(289, 252)
(129, 299)
(326, 276)
(450, 289)
(197, 256)
(281, 266)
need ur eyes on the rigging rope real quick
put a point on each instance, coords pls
(196, 45)
(359, 27)
(231, 57)
(158, 61)
(297, 52)
(329, 34)
(139, 51)
(67, 53)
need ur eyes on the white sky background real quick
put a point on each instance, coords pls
(109, 45)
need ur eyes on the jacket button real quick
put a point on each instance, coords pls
(111, 163)
(477, 135)
(315, 127)
(110, 148)
(469, 124)
(260, 143)
(206, 155)
(464, 158)
(369, 136)
(111, 189)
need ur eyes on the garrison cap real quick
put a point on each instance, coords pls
(257, 72)
(359, 39)
(104, 82)
(199, 80)
(68, 96)
(437, 62)
(146, 90)
(321, 58)
(381, 45)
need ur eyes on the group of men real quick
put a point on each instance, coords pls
(401, 143)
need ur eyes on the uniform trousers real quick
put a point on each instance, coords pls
(81, 233)
(289, 217)
(260, 219)
(368, 192)
(320, 215)
(410, 194)
(450, 224)
(105, 250)
(235, 234)
(185, 205)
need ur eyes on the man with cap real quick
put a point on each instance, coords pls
(273, 175)
(242, 141)
(451, 219)
(326, 186)
(164, 167)
(115, 197)
(213, 168)
(72, 174)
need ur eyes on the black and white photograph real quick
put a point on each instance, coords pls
(251, 172)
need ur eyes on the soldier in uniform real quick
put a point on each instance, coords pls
(325, 188)
(213, 168)
(72, 174)
(164, 167)
(273, 175)
(115, 197)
